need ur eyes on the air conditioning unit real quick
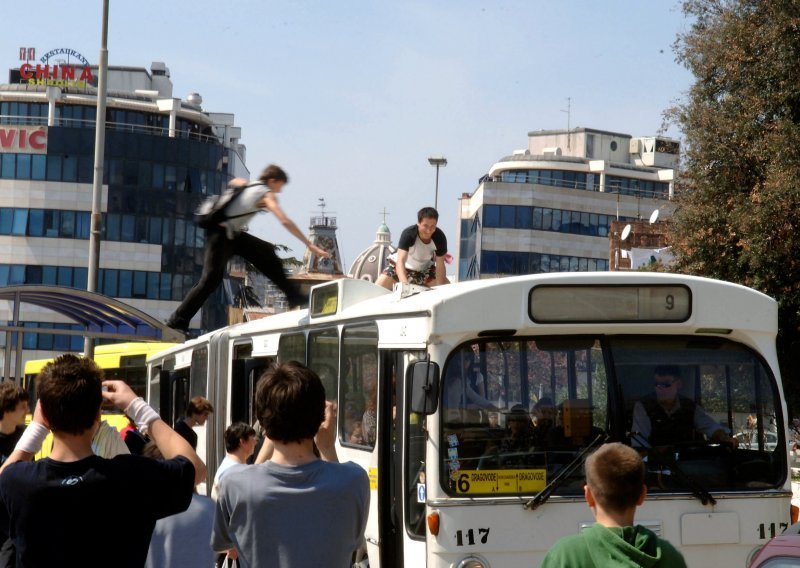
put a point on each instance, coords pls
(635, 146)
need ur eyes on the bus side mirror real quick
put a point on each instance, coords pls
(424, 387)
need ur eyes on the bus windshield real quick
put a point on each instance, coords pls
(703, 411)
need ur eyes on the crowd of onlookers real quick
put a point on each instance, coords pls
(60, 510)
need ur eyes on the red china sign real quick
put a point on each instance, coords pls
(55, 68)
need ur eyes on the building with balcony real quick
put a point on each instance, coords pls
(163, 155)
(549, 207)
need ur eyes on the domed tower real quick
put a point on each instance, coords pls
(371, 262)
(322, 232)
(315, 269)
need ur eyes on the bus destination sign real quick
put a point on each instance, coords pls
(587, 303)
(486, 481)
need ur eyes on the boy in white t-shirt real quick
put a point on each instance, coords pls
(420, 255)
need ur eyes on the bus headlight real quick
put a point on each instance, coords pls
(473, 561)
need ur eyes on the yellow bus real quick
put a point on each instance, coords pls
(124, 361)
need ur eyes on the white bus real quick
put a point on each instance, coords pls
(444, 397)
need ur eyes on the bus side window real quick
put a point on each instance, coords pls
(244, 378)
(358, 389)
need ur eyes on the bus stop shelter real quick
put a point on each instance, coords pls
(101, 317)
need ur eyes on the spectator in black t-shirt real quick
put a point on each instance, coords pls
(196, 415)
(53, 508)
(13, 408)
(420, 254)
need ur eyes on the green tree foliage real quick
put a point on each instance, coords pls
(739, 215)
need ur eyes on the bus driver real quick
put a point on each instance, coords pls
(666, 418)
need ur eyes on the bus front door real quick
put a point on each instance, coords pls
(400, 471)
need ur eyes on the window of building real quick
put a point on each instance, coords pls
(491, 216)
(69, 168)
(20, 224)
(8, 166)
(507, 217)
(36, 223)
(38, 167)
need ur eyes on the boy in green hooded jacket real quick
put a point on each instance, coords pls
(614, 488)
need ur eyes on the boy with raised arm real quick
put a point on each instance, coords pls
(53, 509)
(260, 507)
(614, 487)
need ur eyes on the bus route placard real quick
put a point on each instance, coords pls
(500, 481)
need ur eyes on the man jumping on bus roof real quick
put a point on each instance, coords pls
(420, 254)
(231, 237)
(55, 509)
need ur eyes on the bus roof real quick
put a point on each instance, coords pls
(474, 305)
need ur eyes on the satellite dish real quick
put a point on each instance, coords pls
(625, 232)
(654, 216)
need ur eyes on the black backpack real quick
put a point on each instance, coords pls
(211, 211)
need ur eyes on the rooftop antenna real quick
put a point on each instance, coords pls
(321, 205)
(569, 116)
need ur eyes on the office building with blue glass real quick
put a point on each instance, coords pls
(163, 155)
(549, 207)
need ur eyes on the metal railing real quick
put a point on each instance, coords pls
(10, 120)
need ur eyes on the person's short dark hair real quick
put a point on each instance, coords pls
(545, 401)
(615, 473)
(70, 392)
(10, 396)
(668, 371)
(427, 213)
(518, 412)
(199, 405)
(236, 433)
(273, 172)
(290, 402)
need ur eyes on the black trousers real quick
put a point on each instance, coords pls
(218, 251)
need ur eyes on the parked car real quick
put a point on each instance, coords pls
(782, 551)
(748, 439)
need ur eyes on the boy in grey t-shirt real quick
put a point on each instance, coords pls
(295, 510)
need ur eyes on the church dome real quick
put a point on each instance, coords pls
(371, 262)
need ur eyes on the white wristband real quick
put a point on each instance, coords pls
(142, 414)
(32, 438)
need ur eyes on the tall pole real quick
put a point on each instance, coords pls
(437, 161)
(97, 184)
(436, 196)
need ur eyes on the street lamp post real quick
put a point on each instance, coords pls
(438, 161)
(97, 183)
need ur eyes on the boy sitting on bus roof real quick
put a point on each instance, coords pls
(53, 508)
(420, 255)
(614, 487)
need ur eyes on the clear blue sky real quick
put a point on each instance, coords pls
(352, 97)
